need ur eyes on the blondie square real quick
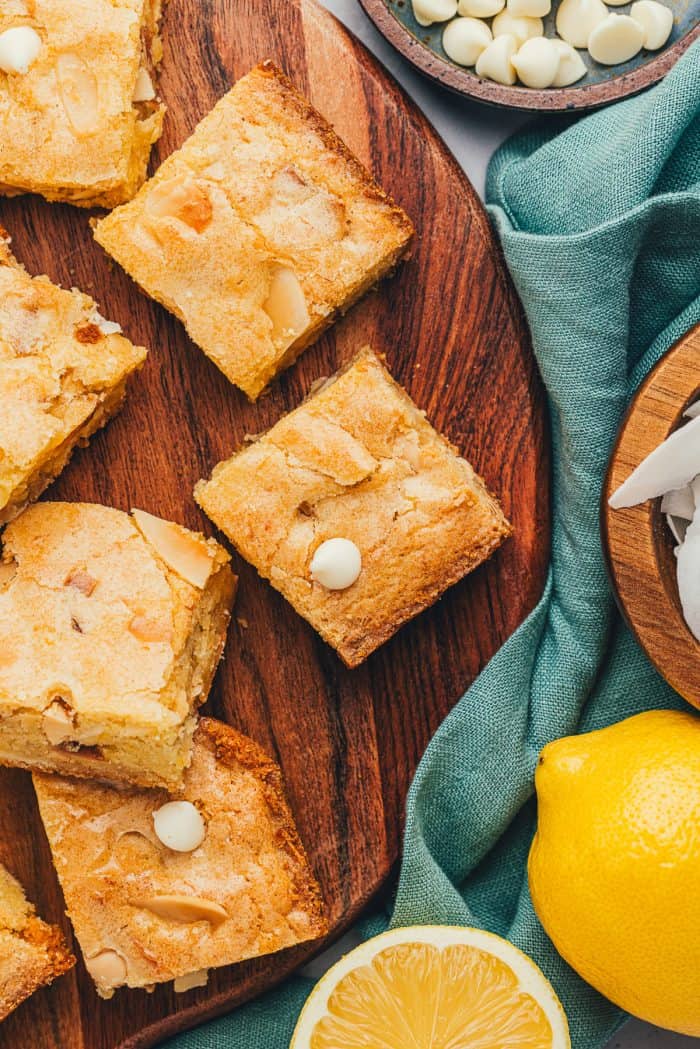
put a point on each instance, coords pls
(112, 627)
(258, 231)
(358, 462)
(145, 913)
(32, 953)
(78, 108)
(63, 373)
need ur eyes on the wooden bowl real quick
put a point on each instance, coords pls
(637, 541)
(602, 84)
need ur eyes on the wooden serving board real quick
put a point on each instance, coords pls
(450, 324)
(638, 542)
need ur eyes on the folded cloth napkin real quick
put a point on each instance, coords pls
(600, 224)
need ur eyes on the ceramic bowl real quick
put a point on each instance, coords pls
(602, 84)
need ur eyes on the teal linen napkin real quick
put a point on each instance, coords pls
(600, 224)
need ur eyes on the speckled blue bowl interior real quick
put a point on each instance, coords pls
(686, 14)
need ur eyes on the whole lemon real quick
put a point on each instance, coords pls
(614, 867)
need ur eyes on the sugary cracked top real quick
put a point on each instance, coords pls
(144, 913)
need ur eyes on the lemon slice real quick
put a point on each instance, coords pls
(433, 987)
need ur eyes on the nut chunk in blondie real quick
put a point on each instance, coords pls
(355, 509)
(32, 953)
(63, 373)
(149, 906)
(78, 106)
(258, 230)
(112, 627)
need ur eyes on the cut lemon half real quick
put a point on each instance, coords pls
(433, 987)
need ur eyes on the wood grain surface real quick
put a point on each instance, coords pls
(638, 543)
(450, 324)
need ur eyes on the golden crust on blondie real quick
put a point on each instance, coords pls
(258, 230)
(79, 123)
(359, 461)
(144, 913)
(32, 953)
(112, 628)
(63, 373)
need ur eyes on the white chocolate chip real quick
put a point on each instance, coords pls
(655, 19)
(529, 8)
(428, 11)
(19, 47)
(144, 90)
(480, 9)
(336, 564)
(179, 825)
(617, 39)
(494, 62)
(522, 27)
(190, 980)
(576, 20)
(464, 39)
(571, 65)
(536, 62)
(108, 969)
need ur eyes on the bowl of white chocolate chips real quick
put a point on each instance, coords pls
(540, 54)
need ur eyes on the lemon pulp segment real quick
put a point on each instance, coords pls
(417, 996)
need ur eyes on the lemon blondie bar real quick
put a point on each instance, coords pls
(112, 627)
(78, 106)
(258, 230)
(355, 509)
(32, 953)
(63, 373)
(164, 888)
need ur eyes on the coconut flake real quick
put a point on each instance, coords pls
(672, 465)
(106, 327)
(678, 528)
(679, 503)
(688, 575)
(144, 90)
